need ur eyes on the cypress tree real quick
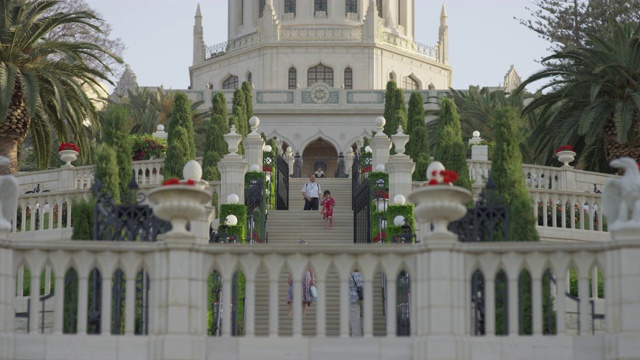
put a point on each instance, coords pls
(107, 170)
(450, 149)
(177, 153)
(506, 173)
(239, 110)
(182, 117)
(248, 98)
(214, 147)
(395, 111)
(416, 112)
(116, 135)
(219, 105)
(418, 145)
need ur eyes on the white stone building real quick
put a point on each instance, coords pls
(319, 68)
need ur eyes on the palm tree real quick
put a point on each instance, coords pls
(44, 84)
(593, 101)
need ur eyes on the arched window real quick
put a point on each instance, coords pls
(249, 78)
(320, 5)
(348, 78)
(290, 6)
(392, 76)
(379, 6)
(351, 6)
(320, 73)
(409, 83)
(293, 78)
(230, 83)
(261, 8)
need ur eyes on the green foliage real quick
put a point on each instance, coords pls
(548, 311)
(506, 173)
(145, 146)
(247, 89)
(501, 296)
(116, 126)
(239, 111)
(214, 147)
(405, 211)
(450, 149)
(82, 219)
(416, 112)
(219, 105)
(420, 173)
(395, 110)
(525, 306)
(240, 211)
(177, 153)
(107, 170)
(181, 116)
(379, 194)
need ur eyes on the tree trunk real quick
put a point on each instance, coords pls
(9, 148)
(615, 149)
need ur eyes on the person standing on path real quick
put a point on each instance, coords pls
(311, 192)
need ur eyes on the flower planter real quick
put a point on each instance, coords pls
(68, 156)
(565, 157)
(440, 205)
(179, 204)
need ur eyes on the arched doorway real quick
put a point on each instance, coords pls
(320, 154)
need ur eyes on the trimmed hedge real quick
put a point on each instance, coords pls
(394, 210)
(240, 211)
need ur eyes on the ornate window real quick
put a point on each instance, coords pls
(351, 6)
(348, 78)
(320, 73)
(320, 5)
(261, 4)
(230, 83)
(293, 78)
(290, 6)
(410, 83)
(379, 6)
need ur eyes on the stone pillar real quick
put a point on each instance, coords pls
(349, 161)
(181, 301)
(7, 315)
(253, 144)
(478, 152)
(232, 168)
(621, 300)
(297, 166)
(341, 171)
(380, 144)
(160, 133)
(390, 13)
(400, 167)
(289, 158)
(247, 16)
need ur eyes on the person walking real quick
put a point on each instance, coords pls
(328, 203)
(311, 192)
(308, 279)
(355, 299)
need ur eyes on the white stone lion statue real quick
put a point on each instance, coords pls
(621, 196)
(8, 197)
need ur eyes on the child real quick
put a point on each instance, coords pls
(327, 209)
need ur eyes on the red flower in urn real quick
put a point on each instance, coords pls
(176, 181)
(564, 148)
(68, 146)
(447, 176)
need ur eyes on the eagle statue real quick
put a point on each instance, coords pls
(8, 197)
(621, 196)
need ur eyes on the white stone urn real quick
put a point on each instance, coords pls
(179, 204)
(565, 157)
(68, 156)
(440, 205)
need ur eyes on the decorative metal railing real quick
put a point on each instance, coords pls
(232, 45)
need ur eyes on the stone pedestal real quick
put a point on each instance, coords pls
(232, 168)
(253, 144)
(380, 144)
(480, 152)
(400, 169)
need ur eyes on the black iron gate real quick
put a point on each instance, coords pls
(361, 205)
(282, 184)
(256, 212)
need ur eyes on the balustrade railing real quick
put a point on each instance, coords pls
(409, 45)
(232, 45)
(321, 34)
(497, 271)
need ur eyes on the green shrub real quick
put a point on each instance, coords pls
(82, 219)
(240, 211)
(405, 211)
(145, 147)
(107, 170)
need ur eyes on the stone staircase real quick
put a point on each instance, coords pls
(291, 226)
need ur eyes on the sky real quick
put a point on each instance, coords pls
(484, 38)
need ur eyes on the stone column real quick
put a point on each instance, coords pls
(478, 152)
(380, 144)
(247, 16)
(289, 158)
(349, 162)
(622, 299)
(232, 168)
(7, 315)
(400, 167)
(253, 144)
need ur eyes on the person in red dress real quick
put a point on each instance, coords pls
(328, 203)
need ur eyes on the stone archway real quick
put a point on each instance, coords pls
(319, 153)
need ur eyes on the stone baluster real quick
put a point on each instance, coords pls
(400, 167)
(253, 143)
(232, 167)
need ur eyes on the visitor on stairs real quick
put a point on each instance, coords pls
(328, 203)
(311, 192)
(319, 173)
(308, 279)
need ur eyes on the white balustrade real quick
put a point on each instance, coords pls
(148, 172)
(321, 34)
(268, 264)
